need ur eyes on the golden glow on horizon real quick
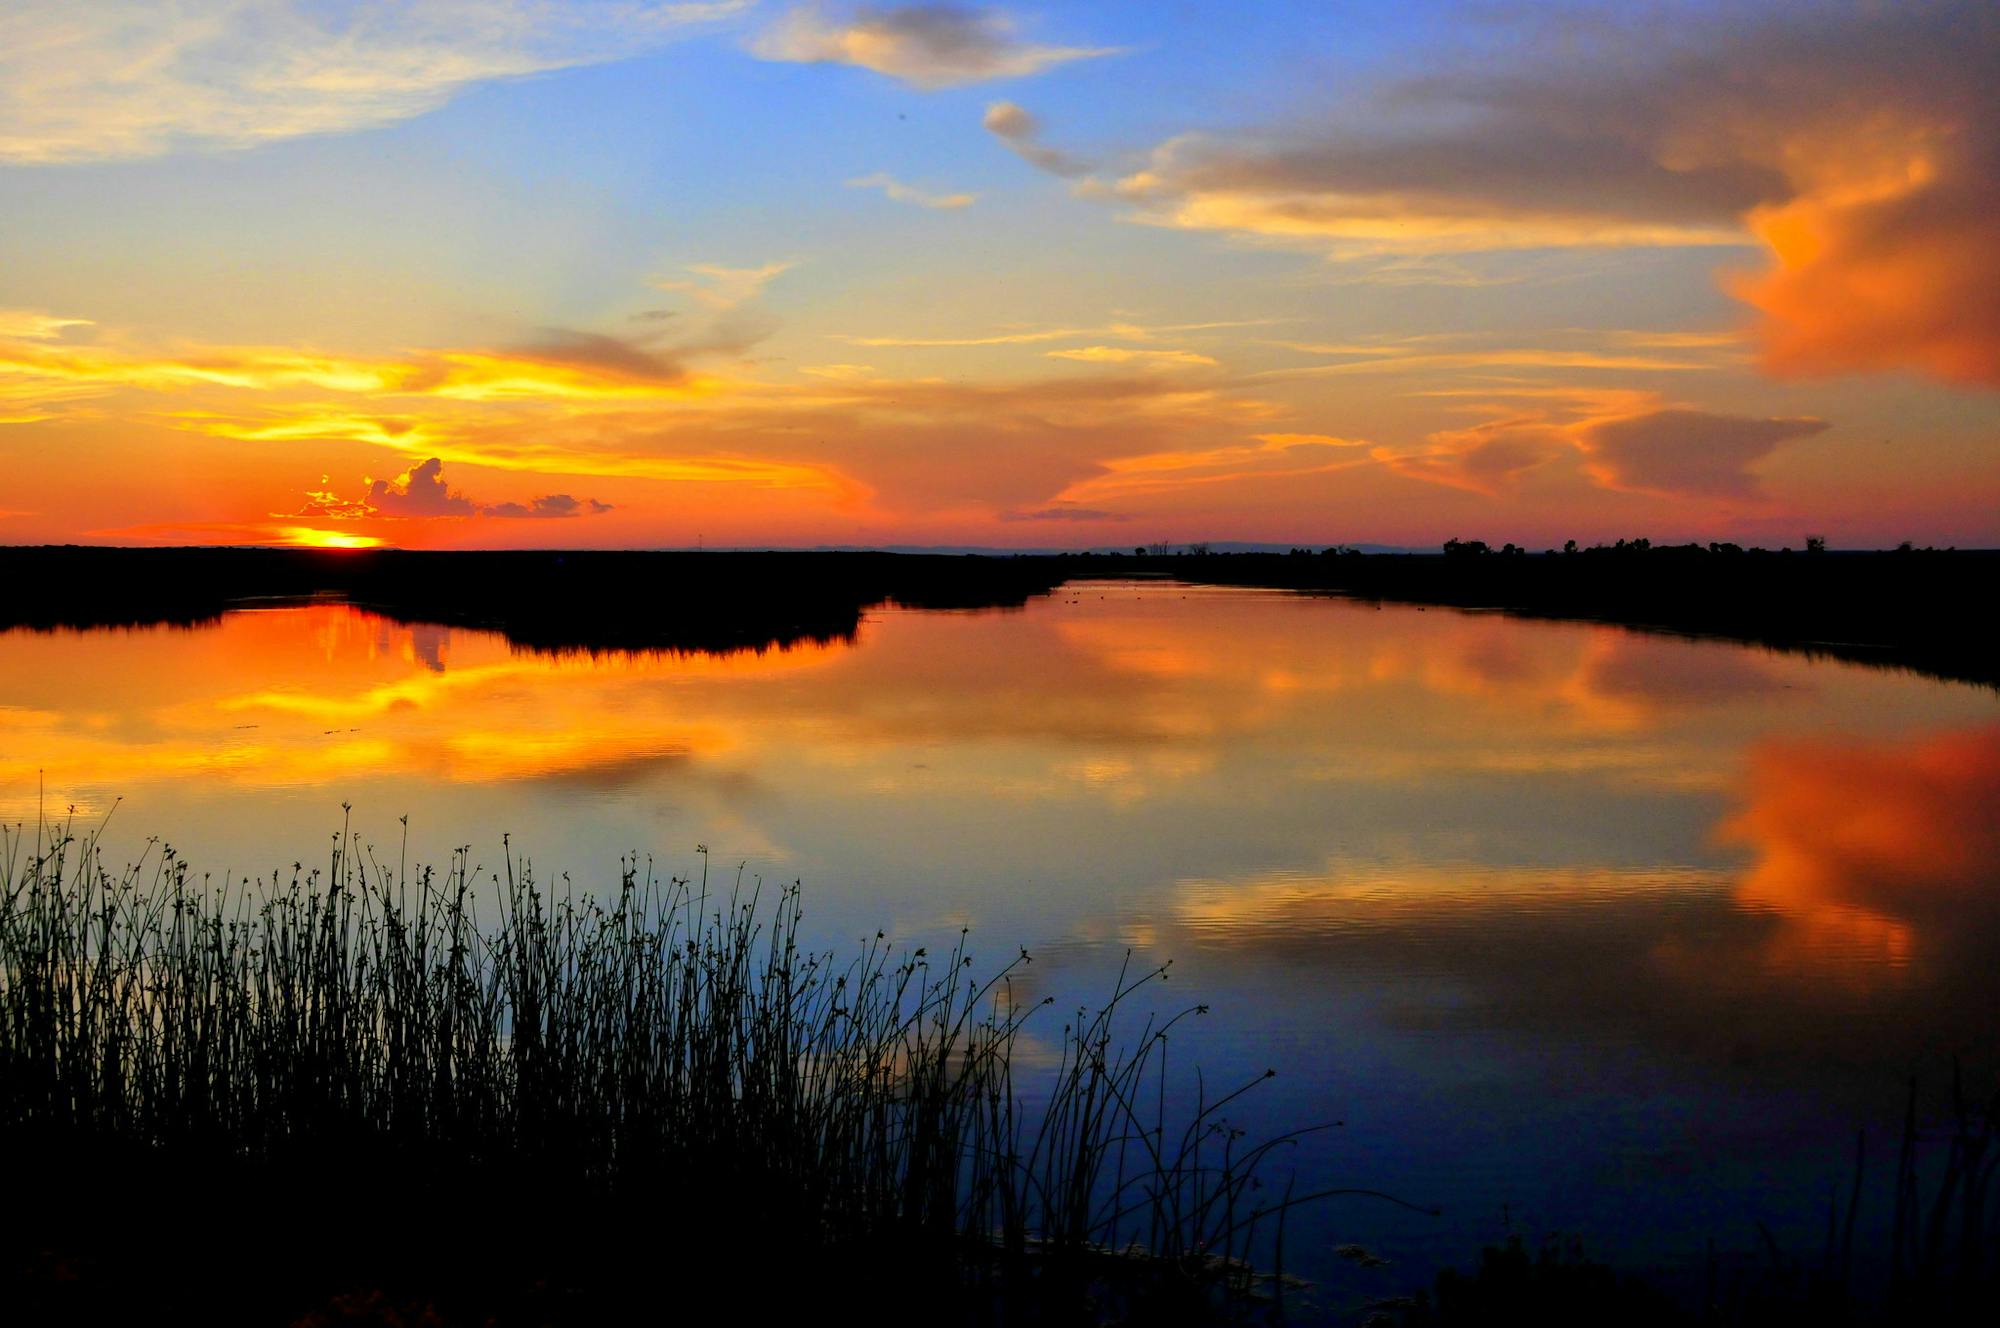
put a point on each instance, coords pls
(308, 537)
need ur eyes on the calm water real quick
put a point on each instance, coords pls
(1572, 927)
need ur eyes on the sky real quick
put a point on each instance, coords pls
(611, 273)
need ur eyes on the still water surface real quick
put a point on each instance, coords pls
(1573, 928)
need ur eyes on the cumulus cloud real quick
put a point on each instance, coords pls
(422, 491)
(897, 191)
(926, 46)
(418, 491)
(1022, 133)
(1688, 452)
(1855, 143)
(133, 78)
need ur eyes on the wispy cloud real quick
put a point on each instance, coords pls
(899, 192)
(1487, 458)
(134, 78)
(927, 46)
(1063, 512)
(1029, 336)
(1265, 456)
(720, 288)
(1361, 360)
(1129, 355)
(32, 325)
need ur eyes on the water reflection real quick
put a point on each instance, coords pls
(1432, 862)
(1879, 847)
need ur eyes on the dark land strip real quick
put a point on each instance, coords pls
(1930, 611)
(556, 601)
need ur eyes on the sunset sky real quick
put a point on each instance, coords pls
(488, 273)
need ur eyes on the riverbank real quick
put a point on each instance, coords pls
(1919, 609)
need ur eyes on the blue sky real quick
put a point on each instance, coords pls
(1313, 272)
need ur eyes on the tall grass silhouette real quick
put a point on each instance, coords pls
(670, 1045)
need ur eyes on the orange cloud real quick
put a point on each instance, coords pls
(1487, 458)
(1908, 279)
(1629, 441)
(1876, 841)
(1129, 355)
(1856, 144)
(1268, 454)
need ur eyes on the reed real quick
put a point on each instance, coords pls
(670, 1049)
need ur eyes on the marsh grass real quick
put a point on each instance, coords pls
(662, 1077)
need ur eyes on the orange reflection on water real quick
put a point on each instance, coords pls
(326, 694)
(1136, 692)
(1869, 844)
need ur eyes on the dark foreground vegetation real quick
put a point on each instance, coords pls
(372, 1095)
(1922, 609)
(1941, 1265)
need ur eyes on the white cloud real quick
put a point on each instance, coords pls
(93, 79)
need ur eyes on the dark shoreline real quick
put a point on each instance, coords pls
(556, 600)
(1912, 609)
(1915, 609)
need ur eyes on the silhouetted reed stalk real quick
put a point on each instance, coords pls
(1942, 1257)
(664, 1041)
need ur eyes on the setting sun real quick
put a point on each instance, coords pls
(306, 537)
(1456, 525)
